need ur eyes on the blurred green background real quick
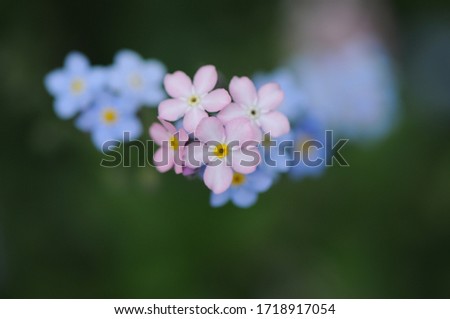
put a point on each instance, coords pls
(71, 229)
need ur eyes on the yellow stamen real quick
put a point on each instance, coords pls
(303, 145)
(194, 100)
(221, 150)
(266, 141)
(110, 115)
(238, 179)
(77, 86)
(174, 142)
(136, 81)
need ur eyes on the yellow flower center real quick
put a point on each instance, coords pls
(77, 86)
(254, 112)
(302, 144)
(110, 115)
(136, 81)
(194, 100)
(174, 142)
(238, 179)
(266, 141)
(221, 150)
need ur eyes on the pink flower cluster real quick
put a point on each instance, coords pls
(218, 129)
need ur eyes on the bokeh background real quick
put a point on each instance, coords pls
(71, 229)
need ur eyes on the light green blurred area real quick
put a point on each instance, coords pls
(71, 229)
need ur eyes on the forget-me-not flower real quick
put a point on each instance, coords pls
(307, 134)
(135, 78)
(109, 119)
(75, 86)
(244, 189)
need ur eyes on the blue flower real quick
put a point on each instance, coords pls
(276, 152)
(74, 86)
(137, 79)
(109, 119)
(294, 104)
(244, 189)
(313, 158)
(352, 90)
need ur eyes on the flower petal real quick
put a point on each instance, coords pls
(56, 82)
(162, 160)
(270, 96)
(243, 197)
(168, 126)
(66, 107)
(216, 100)
(127, 59)
(154, 70)
(103, 138)
(259, 181)
(231, 112)
(243, 91)
(210, 130)
(192, 118)
(239, 131)
(195, 154)
(183, 137)
(218, 178)
(245, 162)
(172, 109)
(159, 133)
(275, 123)
(205, 79)
(178, 84)
(218, 200)
(76, 62)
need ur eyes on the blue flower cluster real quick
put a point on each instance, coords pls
(278, 154)
(105, 100)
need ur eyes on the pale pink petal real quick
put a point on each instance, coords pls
(168, 126)
(179, 160)
(230, 112)
(178, 84)
(240, 130)
(162, 160)
(178, 169)
(270, 96)
(172, 109)
(192, 117)
(158, 133)
(195, 154)
(245, 161)
(210, 130)
(205, 79)
(183, 137)
(216, 100)
(218, 178)
(275, 123)
(243, 91)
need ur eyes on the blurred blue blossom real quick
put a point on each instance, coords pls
(134, 78)
(294, 103)
(244, 189)
(276, 153)
(109, 118)
(75, 86)
(352, 90)
(308, 129)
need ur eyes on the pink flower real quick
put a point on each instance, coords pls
(224, 150)
(260, 107)
(172, 144)
(192, 100)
